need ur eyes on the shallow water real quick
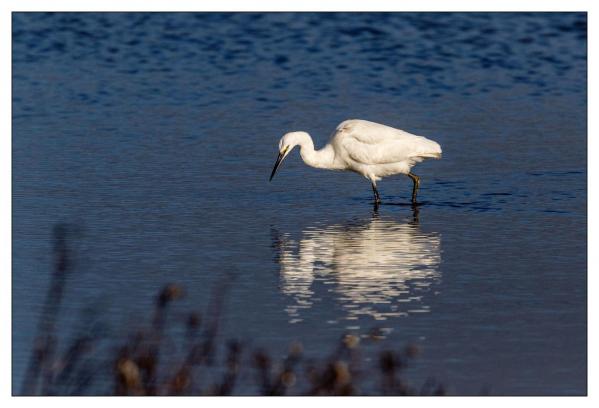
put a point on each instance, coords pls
(155, 134)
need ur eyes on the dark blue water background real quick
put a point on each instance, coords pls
(154, 135)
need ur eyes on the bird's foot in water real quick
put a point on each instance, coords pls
(377, 197)
(415, 203)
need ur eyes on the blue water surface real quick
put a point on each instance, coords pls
(153, 135)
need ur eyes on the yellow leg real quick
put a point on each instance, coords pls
(416, 181)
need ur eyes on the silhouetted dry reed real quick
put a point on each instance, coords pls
(141, 365)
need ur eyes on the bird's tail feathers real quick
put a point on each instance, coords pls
(431, 151)
(431, 155)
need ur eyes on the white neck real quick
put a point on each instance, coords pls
(321, 159)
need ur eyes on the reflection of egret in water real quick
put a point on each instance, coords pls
(379, 268)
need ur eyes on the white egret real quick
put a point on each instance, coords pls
(367, 148)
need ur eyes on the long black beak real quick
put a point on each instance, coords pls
(277, 164)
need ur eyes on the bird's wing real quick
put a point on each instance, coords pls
(387, 151)
(372, 143)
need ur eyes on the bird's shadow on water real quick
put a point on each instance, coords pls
(413, 206)
(455, 195)
(474, 205)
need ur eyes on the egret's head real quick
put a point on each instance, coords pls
(286, 144)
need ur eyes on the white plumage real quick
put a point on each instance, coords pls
(367, 148)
